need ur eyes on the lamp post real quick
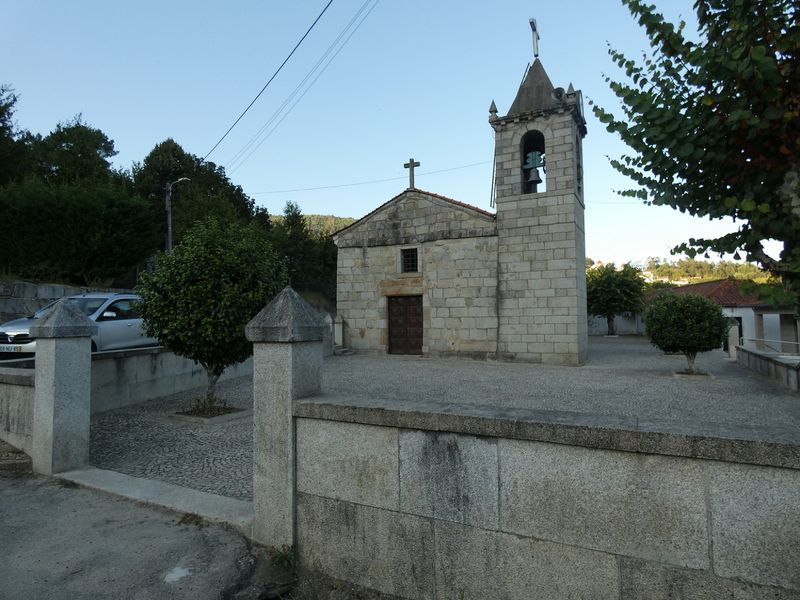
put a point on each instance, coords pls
(168, 203)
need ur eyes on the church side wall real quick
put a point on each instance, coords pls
(457, 282)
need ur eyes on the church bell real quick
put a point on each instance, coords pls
(534, 177)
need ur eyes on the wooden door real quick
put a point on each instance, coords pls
(405, 324)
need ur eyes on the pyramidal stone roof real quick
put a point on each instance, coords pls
(535, 93)
(288, 318)
(62, 321)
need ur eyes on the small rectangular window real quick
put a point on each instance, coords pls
(409, 260)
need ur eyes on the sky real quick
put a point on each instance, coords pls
(375, 83)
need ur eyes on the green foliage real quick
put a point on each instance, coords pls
(200, 296)
(660, 285)
(285, 556)
(685, 323)
(321, 225)
(74, 151)
(714, 125)
(8, 142)
(310, 258)
(610, 292)
(16, 155)
(83, 232)
(689, 269)
(208, 193)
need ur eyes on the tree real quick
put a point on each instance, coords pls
(685, 323)
(200, 296)
(610, 292)
(701, 270)
(8, 143)
(73, 151)
(83, 232)
(714, 125)
(310, 255)
(208, 193)
(293, 243)
(15, 160)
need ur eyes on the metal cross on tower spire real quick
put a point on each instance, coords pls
(410, 166)
(535, 33)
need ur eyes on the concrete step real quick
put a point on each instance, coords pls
(13, 460)
(342, 351)
(211, 507)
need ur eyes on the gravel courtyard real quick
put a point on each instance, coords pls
(624, 376)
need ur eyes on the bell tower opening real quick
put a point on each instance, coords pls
(533, 168)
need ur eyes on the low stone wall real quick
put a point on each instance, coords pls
(783, 369)
(16, 408)
(624, 325)
(126, 377)
(21, 298)
(119, 379)
(427, 502)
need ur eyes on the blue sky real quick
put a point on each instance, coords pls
(415, 79)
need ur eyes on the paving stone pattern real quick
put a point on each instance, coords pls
(624, 376)
(143, 441)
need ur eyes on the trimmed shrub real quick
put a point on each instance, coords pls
(685, 323)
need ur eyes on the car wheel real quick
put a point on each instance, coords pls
(94, 347)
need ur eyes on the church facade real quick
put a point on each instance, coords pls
(428, 275)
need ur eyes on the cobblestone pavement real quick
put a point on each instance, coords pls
(143, 441)
(624, 376)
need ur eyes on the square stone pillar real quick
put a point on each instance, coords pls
(327, 336)
(338, 331)
(733, 340)
(759, 345)
(62, 392)
(287, 364)
(788, 330)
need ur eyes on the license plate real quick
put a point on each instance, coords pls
(10, 348)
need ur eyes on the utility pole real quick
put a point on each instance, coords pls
(168, 206)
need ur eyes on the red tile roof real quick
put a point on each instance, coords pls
(725, 292)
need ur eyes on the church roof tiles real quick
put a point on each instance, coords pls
(725, 292)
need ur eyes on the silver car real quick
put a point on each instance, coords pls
(118, 325)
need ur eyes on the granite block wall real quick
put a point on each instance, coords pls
(429, 514)
(541, 246)
(16, 408)
(457, 281)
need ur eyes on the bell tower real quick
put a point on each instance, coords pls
(540, 222)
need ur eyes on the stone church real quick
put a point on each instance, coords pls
(425, 274)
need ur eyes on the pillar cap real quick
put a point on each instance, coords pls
(64, 320)
(287, 318)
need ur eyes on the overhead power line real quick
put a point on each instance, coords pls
(297, 45)
(260, 136)
(371, 181)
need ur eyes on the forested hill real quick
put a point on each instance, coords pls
(320, 225)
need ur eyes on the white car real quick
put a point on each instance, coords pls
(118, 325)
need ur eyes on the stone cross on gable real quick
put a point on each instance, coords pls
(410, 166)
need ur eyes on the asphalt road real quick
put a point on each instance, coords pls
(59, 541)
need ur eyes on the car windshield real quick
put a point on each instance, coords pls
(86, 305)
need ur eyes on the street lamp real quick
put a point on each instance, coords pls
(168, 202)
